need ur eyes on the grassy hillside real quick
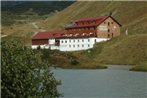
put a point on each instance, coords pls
(14, 11)
(132, 15)
(18, 17)
(123, 50)
(38, 7)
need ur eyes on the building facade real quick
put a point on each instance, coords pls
(81, 34)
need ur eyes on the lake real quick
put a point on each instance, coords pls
(114, 82)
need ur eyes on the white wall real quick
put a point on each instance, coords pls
(51, 41)
(69, 44)
(78, 43)
(41, 46)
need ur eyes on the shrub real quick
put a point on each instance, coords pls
(73, 61)
(24, 75)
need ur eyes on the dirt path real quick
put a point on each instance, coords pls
(3, 36)
(34, 24)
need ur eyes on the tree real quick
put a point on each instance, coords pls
(24, 75)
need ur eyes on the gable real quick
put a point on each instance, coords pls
(112, 19)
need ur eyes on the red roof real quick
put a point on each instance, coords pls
(91, 18)
(87, 22)
(48, 35)
(79, 33)
(64, 34)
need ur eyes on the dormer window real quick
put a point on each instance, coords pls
(94, 21)
(83, 23)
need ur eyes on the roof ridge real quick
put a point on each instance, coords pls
(89, 18)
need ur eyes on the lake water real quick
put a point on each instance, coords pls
(114, 82)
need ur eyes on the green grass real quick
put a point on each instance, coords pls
(140, 67)
(133, 17)
(124, 50)
(84, 66)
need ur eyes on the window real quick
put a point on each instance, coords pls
(94, 21)
(73, 45)
(69, 40)
(69, 45)
(108, 23)
(88, 40)
(78, 40)
(82, 40)
(112, 34)
(111, 22)
(78, 45)
(88, 45)
(73, 40)
(65, 41)
(108, 30)
(108, 35)
(82, 45)
(104, 22)
(62, 41)
(92, 28)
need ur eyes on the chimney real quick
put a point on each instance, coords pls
(110, 13)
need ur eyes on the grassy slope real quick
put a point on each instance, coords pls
(132, 15)
(140, 67)
(124, 50)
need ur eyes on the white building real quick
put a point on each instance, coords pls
(70, 44)
(81, 34)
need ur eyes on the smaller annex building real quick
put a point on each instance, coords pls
(81, 34)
